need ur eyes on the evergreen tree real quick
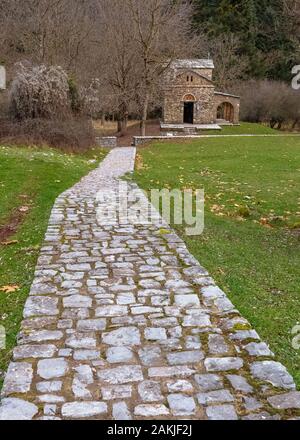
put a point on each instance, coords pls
(262, 27)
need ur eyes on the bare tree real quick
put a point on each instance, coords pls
(161, 29)
(56, 32)
(117, 59)
(230, 65)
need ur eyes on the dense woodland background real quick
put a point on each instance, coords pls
(265, 32)
(107, 56)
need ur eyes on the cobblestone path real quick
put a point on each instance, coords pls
(123, 323)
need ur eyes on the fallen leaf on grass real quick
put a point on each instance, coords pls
(9, 289)
(30, 248)
(24, 209)
(8, 243)
(263, 221)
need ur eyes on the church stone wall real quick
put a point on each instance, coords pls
(204, 112)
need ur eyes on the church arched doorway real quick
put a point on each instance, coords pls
(226, 111)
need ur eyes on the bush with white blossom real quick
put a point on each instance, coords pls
(40, 92)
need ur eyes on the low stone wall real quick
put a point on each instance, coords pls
(109, 141)
(142, 140)
(146, 139)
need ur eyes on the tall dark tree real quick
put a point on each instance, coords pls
(262, 27)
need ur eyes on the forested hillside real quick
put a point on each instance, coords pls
(265, 33)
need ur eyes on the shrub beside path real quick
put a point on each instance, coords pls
(123, 323)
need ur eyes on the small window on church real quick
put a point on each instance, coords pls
(192, 78)
(187, 78)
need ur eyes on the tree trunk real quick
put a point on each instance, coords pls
(119, 126)
(123, 127)
(145, 114)
(124, 118)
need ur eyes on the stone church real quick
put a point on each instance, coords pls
(191, 100)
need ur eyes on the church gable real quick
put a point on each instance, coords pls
(190, 78)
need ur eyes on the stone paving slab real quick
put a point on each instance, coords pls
(123, 323)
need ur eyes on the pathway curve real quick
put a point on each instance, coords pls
(123, 323)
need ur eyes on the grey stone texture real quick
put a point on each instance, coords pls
(120, 411)
(17, 409)
(221, 412)
(181, 405)
(273, 373)
(123, 323)
(286, 401)
(83, 410)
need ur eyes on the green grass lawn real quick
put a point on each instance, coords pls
(30, 181)
(252, 231)
(243, 128)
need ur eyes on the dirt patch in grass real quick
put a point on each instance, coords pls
(296, 232)
(7, 230)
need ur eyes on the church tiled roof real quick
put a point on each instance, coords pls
(192, 64)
